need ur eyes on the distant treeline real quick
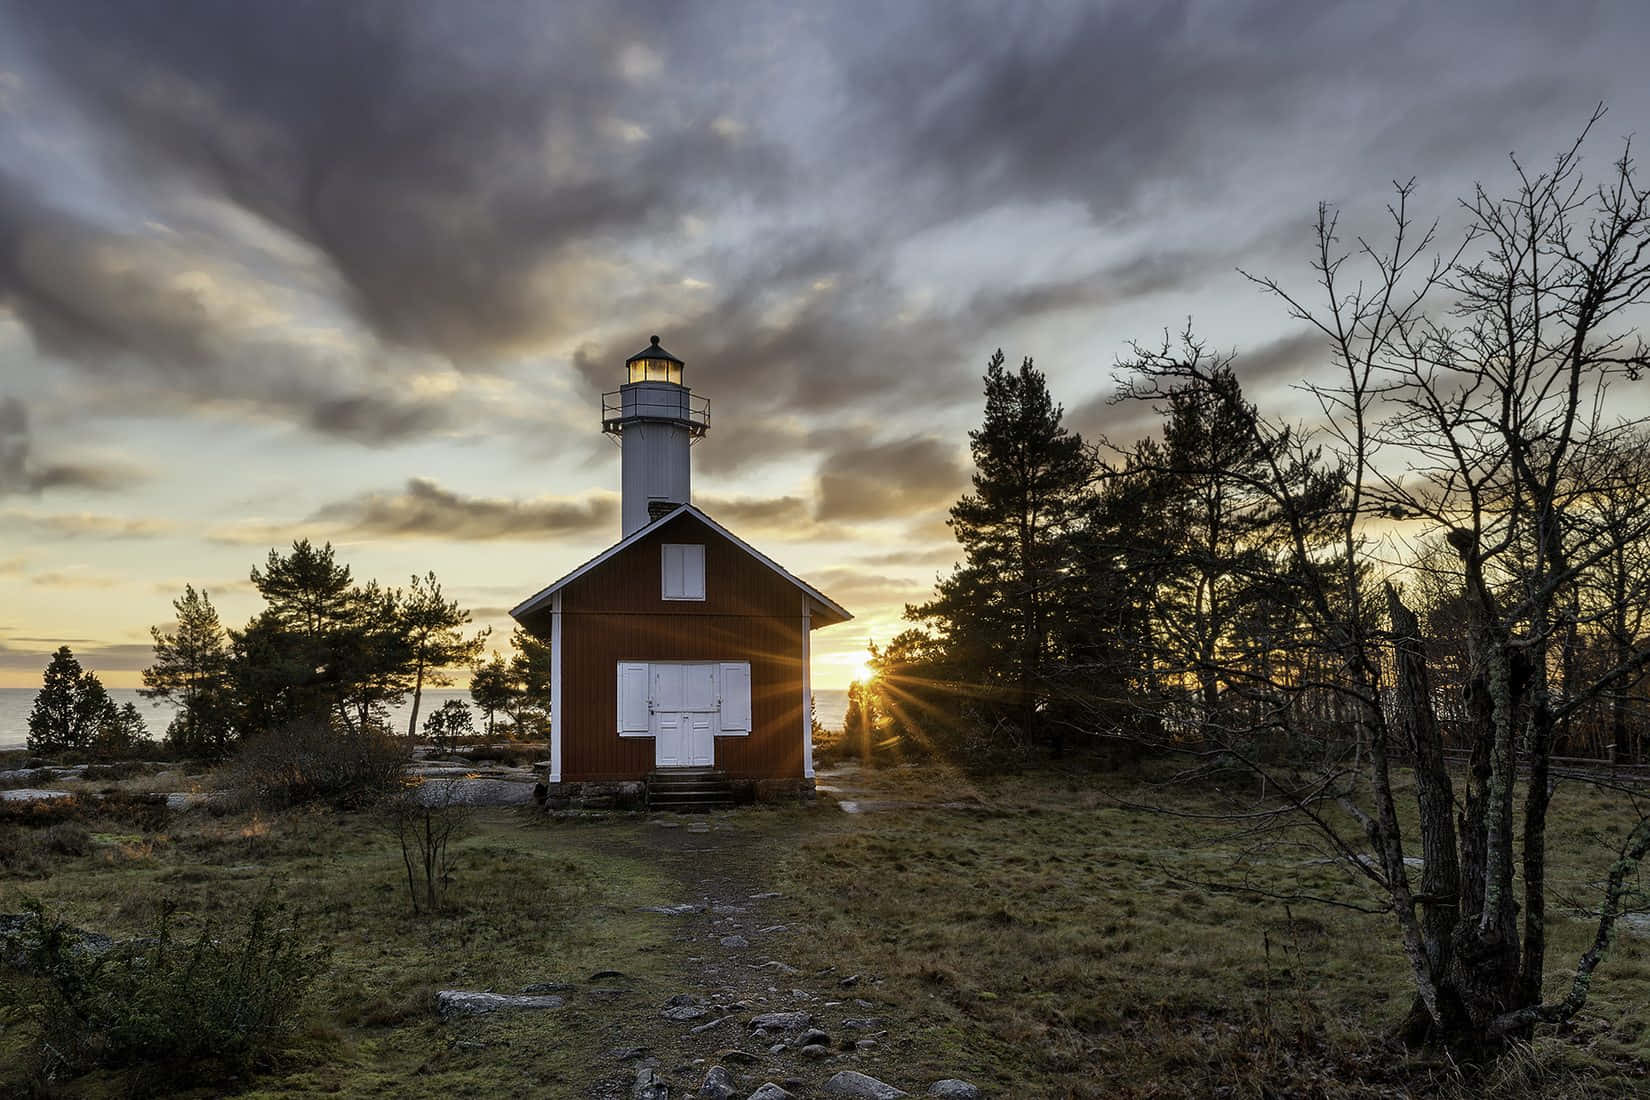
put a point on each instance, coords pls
(324, 649)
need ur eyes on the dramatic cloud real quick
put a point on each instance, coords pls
(425, 510)
(450, 189)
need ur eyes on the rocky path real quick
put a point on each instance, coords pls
(725, 1015)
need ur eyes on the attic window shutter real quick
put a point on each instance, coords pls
(683, 571)
(633, 697)
(736, 697)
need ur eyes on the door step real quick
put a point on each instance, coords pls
(689, 790)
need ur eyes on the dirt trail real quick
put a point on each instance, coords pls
(727, 922)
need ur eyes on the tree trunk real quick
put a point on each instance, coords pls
(1434, 794)
(1482, 975)
(418, 692)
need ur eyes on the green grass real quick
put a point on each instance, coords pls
(1055, 941)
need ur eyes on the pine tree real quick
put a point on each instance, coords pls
(491, 688)
(121, 731)
(1031, 482)
(432, 627)
(531, 670)
(323, 649)
(70, 708)
(191, 669)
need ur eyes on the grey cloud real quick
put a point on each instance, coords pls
(755, 512)
(483, 182)
(378, 417)
(853, 586)
(424, 509)
(98, 658)
(448, 167)
(1287, 359)
(915, 555)
(21, 470)
(889, 480)
(175, 328)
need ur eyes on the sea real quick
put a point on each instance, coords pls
(15, 704)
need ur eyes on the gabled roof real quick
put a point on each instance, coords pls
(540, 599)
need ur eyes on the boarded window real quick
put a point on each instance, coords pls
(736, 697)
(683, 568)
(633, 698)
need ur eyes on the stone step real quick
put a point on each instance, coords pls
(687, 791)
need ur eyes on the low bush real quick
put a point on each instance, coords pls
(212, 1005)
(317, 761)
(513, 755)
(67, 838)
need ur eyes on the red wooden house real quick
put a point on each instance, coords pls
(680, 652)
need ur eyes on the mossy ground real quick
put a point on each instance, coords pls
(1054, 940)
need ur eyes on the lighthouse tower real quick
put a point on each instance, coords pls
(656, 420)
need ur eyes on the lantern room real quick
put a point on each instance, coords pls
(654, 364)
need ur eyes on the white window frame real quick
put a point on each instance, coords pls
(682, 550)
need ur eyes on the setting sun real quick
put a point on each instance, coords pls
(863, 672)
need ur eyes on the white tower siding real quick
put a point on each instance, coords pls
(655, 466)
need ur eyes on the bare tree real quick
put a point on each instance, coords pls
(1472, 410)
(426, 816)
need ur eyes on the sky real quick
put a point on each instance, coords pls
(360, 272)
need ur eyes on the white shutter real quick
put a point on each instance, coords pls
(736, 697)
(693, 572)
(670, 571)
(682, 571)
(633, 698)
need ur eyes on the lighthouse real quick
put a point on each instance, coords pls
(656, 421)
(680, 654)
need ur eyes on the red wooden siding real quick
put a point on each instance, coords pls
(616, 613)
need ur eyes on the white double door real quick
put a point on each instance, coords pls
(685, 714)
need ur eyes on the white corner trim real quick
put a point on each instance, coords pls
(807, 695)
(555, 689)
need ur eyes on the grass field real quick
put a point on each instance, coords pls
(1054, 939)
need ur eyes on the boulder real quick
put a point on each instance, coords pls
(719, 1084)
(735, 941)
(457, 1002)
(649, 1085)
(858, 1086)
(769, 1091)
(813, 1036)
(815, 1050)
(782, 1021)
(20, 938)
(862, 1023)
(737, 1056)
(32, 794)
(953, 1089)
(684, 1013)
